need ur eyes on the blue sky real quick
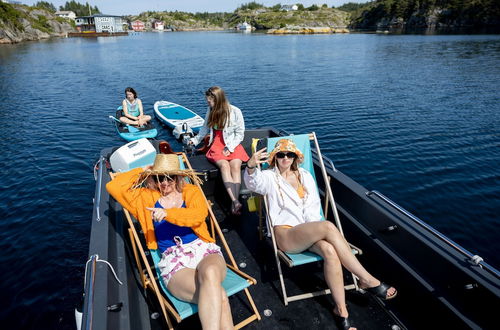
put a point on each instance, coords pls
(133, 7)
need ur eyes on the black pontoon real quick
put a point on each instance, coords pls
(440, 284)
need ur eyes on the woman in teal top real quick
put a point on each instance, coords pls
(133, 114)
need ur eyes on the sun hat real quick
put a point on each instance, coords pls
(285, 145)
(168, 165)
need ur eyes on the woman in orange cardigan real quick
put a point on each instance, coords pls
(172, 215)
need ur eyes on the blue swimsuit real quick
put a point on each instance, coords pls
(166, 231)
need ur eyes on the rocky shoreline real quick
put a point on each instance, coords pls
(31, 24)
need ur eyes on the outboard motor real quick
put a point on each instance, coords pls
(184, 133)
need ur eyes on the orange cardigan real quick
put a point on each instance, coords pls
(136, 201)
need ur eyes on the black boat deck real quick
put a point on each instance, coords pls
(256, 258)
(242, 235)
(439, 285)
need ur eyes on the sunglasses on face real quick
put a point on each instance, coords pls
(165, 178)
(290, 155)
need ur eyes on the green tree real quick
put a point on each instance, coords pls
(46, 5)
(79, 9)
(313, 8)
(300, 6)
(276, 7)
(251, 6)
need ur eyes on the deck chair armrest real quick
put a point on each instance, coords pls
(242, 274)
(285, 258)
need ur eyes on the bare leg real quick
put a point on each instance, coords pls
(303, 236)
(333, 275)
(227, 178)
(204, 287)
(129, 121)
(144, 119)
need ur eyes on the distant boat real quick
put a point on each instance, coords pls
(244, 26)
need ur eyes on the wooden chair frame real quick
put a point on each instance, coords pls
(329, 202)
(147, 274)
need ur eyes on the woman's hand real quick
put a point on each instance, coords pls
(157, 213)
(226, 152)
(257, 158)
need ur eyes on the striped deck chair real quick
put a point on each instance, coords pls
(149, 273)
(303, 143)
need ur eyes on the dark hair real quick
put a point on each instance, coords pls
(131, 90)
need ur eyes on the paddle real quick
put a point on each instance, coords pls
(131, 128)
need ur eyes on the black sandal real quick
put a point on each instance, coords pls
(380, 291)
(236, 207)
(343, 322)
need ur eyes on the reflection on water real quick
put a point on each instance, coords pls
(415, 117)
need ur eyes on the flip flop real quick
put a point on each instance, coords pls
(380, 291)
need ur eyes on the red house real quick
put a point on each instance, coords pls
(138, 25)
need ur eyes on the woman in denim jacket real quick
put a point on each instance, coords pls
(226, 126)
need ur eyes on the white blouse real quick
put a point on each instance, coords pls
(285, 205)
(233, 133)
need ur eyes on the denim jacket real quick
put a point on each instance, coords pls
(233, 132)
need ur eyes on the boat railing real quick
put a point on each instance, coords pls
(97, 200)
(88, 307)
(475, 259)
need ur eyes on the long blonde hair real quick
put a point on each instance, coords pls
(219, 114)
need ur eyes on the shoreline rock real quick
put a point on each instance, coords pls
(33, 25)
(307, 30)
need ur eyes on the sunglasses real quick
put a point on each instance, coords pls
(163, 178)
(290, 155)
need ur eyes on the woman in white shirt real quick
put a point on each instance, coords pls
(294, 209)
(226, 126)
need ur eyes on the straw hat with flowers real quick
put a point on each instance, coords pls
(286, 145)
(166, 165)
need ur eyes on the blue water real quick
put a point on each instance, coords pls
(415, 117)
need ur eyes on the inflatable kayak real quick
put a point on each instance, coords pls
(132, 133)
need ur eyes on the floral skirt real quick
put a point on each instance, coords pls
(182, 256)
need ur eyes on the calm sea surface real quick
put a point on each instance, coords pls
(415, 117)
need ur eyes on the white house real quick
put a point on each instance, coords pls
(100, 23)
(289, 7)
(66, 14)
(158, 25)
